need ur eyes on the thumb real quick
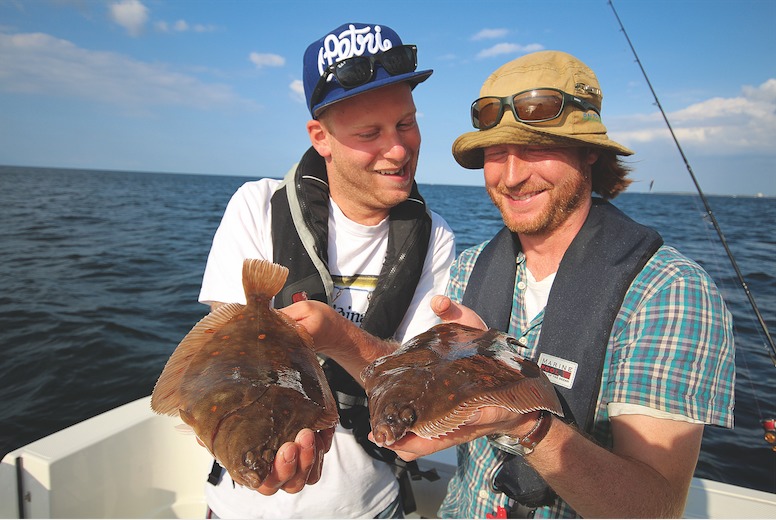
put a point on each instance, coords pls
(449, 311)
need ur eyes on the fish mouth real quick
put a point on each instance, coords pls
(394, 424)
(257, 465)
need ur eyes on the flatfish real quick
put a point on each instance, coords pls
(436, 381)
(246, 379)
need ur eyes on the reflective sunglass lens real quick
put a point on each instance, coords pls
(399, 60)
(538, 105)
(358, 70)
(530, 106)
(486, 112)
(353, 72)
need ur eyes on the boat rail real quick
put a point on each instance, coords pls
(132, 463)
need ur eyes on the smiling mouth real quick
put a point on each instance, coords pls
(521, 197)
(400, 172)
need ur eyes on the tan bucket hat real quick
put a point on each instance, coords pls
(574, 127)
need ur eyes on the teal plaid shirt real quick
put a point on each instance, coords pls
(671, 348)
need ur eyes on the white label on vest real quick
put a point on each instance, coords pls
(558, 370)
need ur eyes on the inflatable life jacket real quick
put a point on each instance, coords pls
(589, 288)
(300, 226)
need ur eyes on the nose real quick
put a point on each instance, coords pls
(515, 170)
(395, 149)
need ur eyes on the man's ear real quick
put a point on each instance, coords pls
(319, 138)
(591, 156)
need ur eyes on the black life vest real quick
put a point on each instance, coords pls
(300, 226)
(587, 293)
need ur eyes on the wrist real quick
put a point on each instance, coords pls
(524, 444)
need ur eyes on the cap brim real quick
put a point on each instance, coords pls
(468, 148)
(382, 79)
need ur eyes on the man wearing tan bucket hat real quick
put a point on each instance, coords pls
(634, 335)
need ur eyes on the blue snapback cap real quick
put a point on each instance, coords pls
(348, 40)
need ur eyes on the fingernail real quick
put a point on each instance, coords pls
(306, 439)
(286, 456)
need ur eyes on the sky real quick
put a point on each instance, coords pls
(214, 86)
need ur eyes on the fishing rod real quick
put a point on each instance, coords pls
(706, 204)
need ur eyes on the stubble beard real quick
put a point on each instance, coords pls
(565, 199)
(356, 184)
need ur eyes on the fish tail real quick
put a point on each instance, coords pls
(262, 279)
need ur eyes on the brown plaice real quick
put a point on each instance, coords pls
(436, 381)
(246, 379)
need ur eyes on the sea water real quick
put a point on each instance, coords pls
(100, 275)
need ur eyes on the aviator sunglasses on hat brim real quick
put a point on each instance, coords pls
(529, 106)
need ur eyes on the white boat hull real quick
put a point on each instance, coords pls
(125, 463)
(132, 463)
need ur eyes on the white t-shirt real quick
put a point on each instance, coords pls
(353, 484)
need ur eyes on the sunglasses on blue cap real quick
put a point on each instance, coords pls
(359, 70)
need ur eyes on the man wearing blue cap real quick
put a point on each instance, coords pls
(349, 223)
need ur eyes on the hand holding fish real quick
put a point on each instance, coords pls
(247, 381)
(298, 463)
(451, 312)
(485, 421)
(337, 337)
(452, 384)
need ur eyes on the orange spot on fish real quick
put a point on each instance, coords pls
(215, 353)
(210, 331)
(225, 337)
(262, 336)
(451, 397)
(214, 408)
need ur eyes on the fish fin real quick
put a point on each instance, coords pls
(262, 279)
(329, 419)
(449, 423)
(529, 395)
(166, 398)
(184, 429)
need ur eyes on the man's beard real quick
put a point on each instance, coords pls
(565, 198)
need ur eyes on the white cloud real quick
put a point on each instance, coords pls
(489, 34)
(42, 64)
(266, 60)
(183, 26)
(717, 126)
(297, 90)
(509, 48)
(130, 14)
(198, 27)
